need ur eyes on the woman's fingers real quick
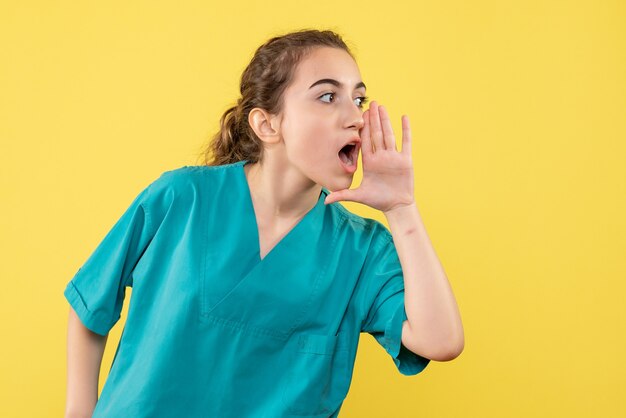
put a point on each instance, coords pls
(376, 133)
(388, 136)
(406, 136)
(366, 141)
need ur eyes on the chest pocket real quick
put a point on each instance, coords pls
(319, 375)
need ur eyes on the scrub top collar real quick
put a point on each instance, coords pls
(307, 226)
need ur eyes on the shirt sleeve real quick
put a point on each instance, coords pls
(97, 290)
(384, 282)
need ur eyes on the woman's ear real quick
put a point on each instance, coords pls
(261, 123)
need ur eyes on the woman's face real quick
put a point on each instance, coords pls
(320, 118)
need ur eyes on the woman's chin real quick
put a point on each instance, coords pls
(342, 184)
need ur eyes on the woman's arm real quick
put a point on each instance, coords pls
(85, 349)
(434, 328)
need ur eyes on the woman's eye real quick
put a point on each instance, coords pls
(326, 95)
(363, 99)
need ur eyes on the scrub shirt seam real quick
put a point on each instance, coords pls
(377, 246)
(92, 320)
(305, 309)
(205, 249)
(349, 216)
(203, 285)
(149, 225)
(221, 167)
(143, 204)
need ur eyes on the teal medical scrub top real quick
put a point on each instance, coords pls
(212, 329)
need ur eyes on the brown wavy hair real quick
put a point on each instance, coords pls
(262, 85)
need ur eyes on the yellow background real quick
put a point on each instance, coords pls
(518, 115)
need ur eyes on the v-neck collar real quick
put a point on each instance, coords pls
(302, 224)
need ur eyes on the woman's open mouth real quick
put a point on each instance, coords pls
(348, 156)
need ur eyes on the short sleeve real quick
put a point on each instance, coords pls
(97, 290)
(384, 282)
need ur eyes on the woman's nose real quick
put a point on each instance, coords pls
(357, 118)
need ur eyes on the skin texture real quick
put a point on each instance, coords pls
(84, 356)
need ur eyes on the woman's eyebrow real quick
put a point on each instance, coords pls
(336, 83)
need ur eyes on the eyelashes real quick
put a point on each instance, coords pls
(364, 99)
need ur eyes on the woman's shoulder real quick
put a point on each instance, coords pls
(188, 172)
(188, 177)
(360, 227)
(185, 185)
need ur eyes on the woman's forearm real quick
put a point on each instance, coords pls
(435, 328)
(85, 349)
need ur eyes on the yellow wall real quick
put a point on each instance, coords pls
(518, 114)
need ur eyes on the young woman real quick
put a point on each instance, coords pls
(251, 284)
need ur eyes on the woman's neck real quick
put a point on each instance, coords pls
(278, 192)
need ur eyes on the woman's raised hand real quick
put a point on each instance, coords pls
(387, 173)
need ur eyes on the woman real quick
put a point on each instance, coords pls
(251, 284)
